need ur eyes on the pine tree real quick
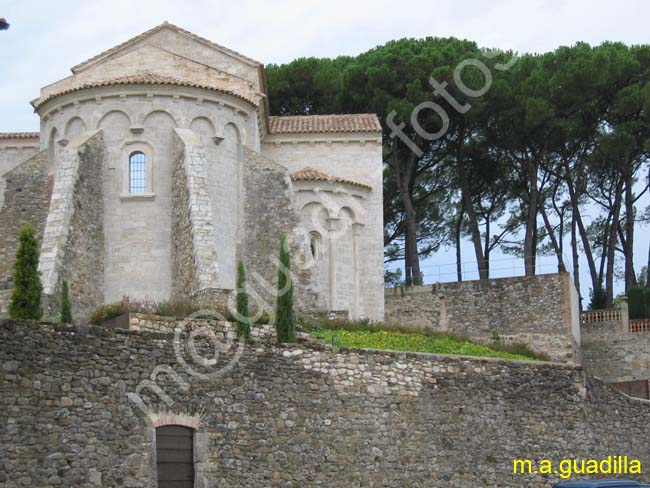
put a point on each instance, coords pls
(284, 319)
(243, 320)
(66, 311)
(26, 295)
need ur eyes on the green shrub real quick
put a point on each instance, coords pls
(284, 318)
(243, 320)
(638, 298)
(26, 295)
(169, 308)
(66, 310)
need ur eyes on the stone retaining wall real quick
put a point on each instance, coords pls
(540, 311)
(615, 354)
(292, 416)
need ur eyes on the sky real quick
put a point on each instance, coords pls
(47, 38)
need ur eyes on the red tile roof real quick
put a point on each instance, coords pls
(310, 124)
(310, 174)
(19, 135)
(145, 78)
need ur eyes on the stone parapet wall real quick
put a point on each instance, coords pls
(536, 310)
(169, 325)
(293, 416)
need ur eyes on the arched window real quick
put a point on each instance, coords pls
(137, 172)
(315, 245)
(175, 456)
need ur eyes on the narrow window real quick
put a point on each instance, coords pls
(175, 456)
(137, 172)
(315, 245)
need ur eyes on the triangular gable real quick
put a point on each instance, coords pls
(126, 45)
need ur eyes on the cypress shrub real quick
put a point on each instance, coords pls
(26, 295)
(243, 319)
(284, 319)
(638, 299)
(66, 311)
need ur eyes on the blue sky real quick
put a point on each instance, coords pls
(47, 38)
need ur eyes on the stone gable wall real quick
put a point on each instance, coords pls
(26, 202)
(536, 310)
(294, 416)
(14, 152)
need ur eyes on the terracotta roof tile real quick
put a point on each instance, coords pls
(145, 78)
(155, 29)
(19, 135)
(309, 124)
(310, 174)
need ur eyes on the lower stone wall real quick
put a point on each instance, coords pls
(292, 416)
(614, 354)
(534, 310)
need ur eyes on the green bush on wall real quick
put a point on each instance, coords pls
(638, 299)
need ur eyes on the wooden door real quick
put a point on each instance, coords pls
(175, 456)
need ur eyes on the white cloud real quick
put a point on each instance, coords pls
(46, 39)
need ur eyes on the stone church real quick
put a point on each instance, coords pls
(158, 168)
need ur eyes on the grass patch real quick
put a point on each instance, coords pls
(365, 336)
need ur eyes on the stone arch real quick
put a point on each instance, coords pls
(102, 122)
(75, 127)
(204, 129)
(315, 216)
(158, 114)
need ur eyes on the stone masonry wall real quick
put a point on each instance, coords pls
(73, 240)
(26, 202)
(184, 280)
(84, 253)
(293, 416)
(269, 213)
(613, 354)
(534, 310)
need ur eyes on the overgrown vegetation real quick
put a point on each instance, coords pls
(26, 294)
(284, 317)
(364, 335)
(169, 308)
(243, 320)
(66, 309)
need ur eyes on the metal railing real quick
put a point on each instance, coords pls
(499, 268)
